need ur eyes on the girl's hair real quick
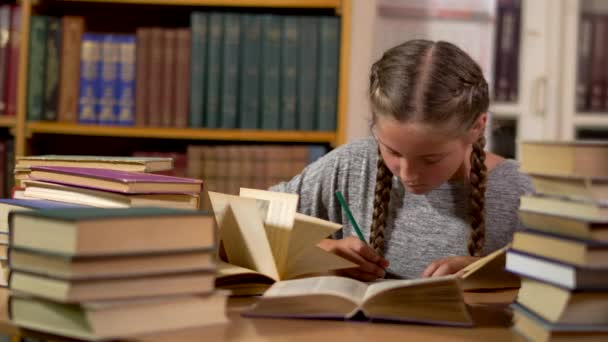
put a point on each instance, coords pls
(437, 84)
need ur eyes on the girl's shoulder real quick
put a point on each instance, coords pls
(506, 173)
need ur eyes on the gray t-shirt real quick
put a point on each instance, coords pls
(420, 228)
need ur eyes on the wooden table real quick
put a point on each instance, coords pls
(487, 308)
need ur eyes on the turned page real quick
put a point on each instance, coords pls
(350, 289)
(278, 222)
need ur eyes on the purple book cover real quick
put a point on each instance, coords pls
(125, 177)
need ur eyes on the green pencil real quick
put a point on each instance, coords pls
(349, 215)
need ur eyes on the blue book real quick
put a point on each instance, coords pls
(89, 73)
(249, 95)
(289, 72)
(214, 65)
(198, 24)
(230, 71)
(107, 80)
(307, 72)
(270, 67)
(327, 89)
(124, 91)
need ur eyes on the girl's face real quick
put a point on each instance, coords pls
(422, 156)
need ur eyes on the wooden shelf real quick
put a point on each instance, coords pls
(181, 133)
(7, 121)
(336, 4)
(502, 109)
(591, 119)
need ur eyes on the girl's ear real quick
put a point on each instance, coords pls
(478, 128)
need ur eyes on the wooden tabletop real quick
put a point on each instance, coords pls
(487, 308)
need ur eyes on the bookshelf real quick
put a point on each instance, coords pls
(24, 130)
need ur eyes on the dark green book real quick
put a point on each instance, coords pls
(307, 72)
(104, 231)
(249, 95)
(35, 68)
(289, 70)
(327, 90)
(270, 67)
(51, 79)
(198, 22)
(230, 71)
(214, 66)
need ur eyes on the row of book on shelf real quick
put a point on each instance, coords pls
(592, 53)
(10, 21)
(226, 70)
(562, 255)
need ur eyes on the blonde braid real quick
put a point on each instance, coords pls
(478, 177)
(384, 183)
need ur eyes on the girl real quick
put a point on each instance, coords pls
(425, 193)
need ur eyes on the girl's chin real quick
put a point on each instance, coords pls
(416, 189)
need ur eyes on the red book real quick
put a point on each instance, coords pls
(114, 180)
(12, 65)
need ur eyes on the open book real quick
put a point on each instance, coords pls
(265, 240)
(489, 273)
(435, 300)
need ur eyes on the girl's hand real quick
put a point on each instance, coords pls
(448, 265)
(371, 265)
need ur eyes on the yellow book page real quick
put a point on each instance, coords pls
(350, 289)
(278, 222)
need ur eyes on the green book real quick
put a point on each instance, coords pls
(198, 22)
(37, 56)
(289, 70)
(214, 65)
(249, 95)
(51, 79)
(270, 67)
(327, 89)
(307, 72)
(230, 71)
(111, 231)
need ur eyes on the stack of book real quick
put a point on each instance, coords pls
(98, 273)
(562, 256)
(106, 182)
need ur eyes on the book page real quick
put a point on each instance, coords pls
(314, 260)
(489, 273)
(387, 285)
(278, 222)
(351, 289)
(308, 231)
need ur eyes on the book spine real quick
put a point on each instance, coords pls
(4, 172)
(307, 72)
(10, 94)
(249, 96)
(73, 29)
(89, 73)
(182, 85)
(598, 59)
(142, 76)
(106, 95)
(584, 61)
(230, 71)
(51, 86)
(270, 69)
(35, 84)
(168, 79)
(329, 54)
(289, 64)
(506, 46)
(603, 70)
(214, 65)
(198, 65)
(5, 27)
(124, 106)
(513, 73)
(9, 182)
(155, 77)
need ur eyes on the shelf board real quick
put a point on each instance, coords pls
(502, 109)
(591, 119)
(7, 121)
(182, 133)
(231, 3)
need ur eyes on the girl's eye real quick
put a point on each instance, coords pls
(431, 161)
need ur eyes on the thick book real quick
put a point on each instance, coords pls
(570, 159)
(82, 290)
(74, 267)
(97, 231)
(229, 80)
(168, 78)
(142, 67)
(435, 300)
(568, 226)
(124, 104)
(71, 41)
(135, 164)
(106, 81)
(5, 24)
(562, 306)
(552, 205)
(36, 63)
(270, 72)
(91, 95)
(198, 65)
(578, 252)
(554, 272)
(249, 92)
(115, 180)
(12, 61)
(7, 205)
(261, 231)
(51, 72)
(535, 328)
(106, 199)
(585, 189)
(116, 319)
